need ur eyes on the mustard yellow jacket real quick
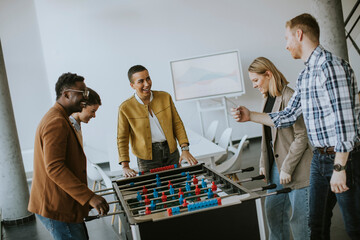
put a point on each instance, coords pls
(134, 124)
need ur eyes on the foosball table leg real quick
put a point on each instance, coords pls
(260, 215)
(113, 217)
(135, 232)
(119, 225)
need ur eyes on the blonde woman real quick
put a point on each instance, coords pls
(285, 157)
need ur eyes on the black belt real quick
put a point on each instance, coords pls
(330, 150)
(164, 143)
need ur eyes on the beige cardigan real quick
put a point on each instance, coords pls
(134, 124)
(292, 152)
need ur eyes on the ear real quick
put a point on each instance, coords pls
(132, 85)
(268, 73)
(299, 34)
(66, 94)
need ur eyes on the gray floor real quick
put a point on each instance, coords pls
(102, 228)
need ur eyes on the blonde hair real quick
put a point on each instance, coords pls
(277, 82)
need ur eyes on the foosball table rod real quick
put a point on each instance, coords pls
(90, 218)
(249, 169)
(241, 181)
(271, 186)
(180, 209)
(172, 195)
(174, 200)
(151, 180)
(181, 182)
(155, 184)
(251, 179)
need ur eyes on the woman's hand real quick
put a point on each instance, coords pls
(285, 178)
(262, 172)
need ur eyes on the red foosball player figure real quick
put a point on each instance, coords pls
(195, 180)
(184, 203)
(144, 190)
(146, 200)
(181, 192)
(213, 187)
(164, 198)
(147, 211)
(197, 191)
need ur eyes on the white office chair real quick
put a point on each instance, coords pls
(93, 175)
(108, 184)
(224, 142)
(211, 130)
(233, 163)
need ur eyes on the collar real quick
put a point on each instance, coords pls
(139, 99)
(314, 55)
(76, 125)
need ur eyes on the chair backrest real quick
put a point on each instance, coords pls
(225, 138)
(113, 154)
(106, 178)
(234, 163)
(92, 172)
(211, 130)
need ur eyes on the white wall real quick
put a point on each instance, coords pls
(29, 89)
(102, 39)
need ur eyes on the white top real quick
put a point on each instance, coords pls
(157, 134)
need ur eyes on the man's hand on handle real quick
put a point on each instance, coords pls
(100, 204)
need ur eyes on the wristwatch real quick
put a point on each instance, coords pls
(338, 167)
(186, 148)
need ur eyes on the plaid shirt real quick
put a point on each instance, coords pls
(326, 94)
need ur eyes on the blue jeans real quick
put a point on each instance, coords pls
(64, 231)
(277, 210)
(323, 200)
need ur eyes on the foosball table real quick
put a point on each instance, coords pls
(193, 202)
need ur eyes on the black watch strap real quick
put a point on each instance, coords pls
(338, 167)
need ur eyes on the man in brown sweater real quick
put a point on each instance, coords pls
(59, 195)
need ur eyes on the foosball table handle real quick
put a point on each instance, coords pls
(284, 190)
(258, 177)
(271, 186)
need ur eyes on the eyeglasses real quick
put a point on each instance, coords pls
(85, 92)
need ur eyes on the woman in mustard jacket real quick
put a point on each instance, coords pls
(150, 121)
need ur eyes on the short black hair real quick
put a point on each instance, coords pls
(66, 80)
(94, 98)
(135, 69)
